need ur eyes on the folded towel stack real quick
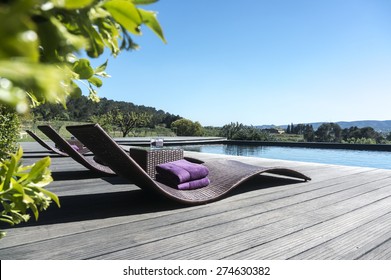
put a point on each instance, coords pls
(75, 147)
(183, 174)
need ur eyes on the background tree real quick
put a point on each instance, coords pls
(364, 135)
(127, 121)
(329, 132)
(185, 127)
(238, 131)
(229, 130)
(288, 129)
(308, 133)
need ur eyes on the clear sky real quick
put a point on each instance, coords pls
(261, 62)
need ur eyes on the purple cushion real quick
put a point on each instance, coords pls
(76, 148)
(182, 171)
(190, 185)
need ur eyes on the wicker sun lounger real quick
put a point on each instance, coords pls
(224, 175)
(68, 150)
(45, 145)
(54, 136)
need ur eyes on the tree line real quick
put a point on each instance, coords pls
(327, 132)
(332, 132)
(124, 115)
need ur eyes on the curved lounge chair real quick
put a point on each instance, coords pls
(88, 162)
(54, 136)
(224, 175)
(45, 145)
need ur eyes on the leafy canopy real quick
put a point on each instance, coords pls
(42, 38)
(185, 127)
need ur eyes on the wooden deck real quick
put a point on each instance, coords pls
(343, 213)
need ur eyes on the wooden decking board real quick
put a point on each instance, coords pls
(280, 220)
(381, 252)
(353, 244)
(262, 232)
(290, 245)
(241, 227)
(283, 203)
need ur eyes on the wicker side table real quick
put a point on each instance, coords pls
(148, 158)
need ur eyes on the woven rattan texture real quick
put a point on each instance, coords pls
(149, 158)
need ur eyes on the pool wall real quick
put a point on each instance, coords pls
(319, 145)
(173, 141)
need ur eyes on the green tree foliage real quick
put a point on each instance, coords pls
(185, 127)
(238, 131)
(230, 130)
(297, 129)
(82, 109)
(127, 121)
(9, 130)
(365, 135)
(211, 131)
(41, 38)
(329, 132)
(309, 133)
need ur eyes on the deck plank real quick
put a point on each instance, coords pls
(343, 213)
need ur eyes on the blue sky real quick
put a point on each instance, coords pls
(261, 62)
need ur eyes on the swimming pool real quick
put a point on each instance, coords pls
(376, 159)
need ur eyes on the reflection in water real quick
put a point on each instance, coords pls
(249, 151)
(376, 159)
(192, 148)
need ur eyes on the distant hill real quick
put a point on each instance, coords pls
(380, 126)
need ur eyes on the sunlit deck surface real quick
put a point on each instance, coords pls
(343, 213)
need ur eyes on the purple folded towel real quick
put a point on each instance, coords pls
(182, 171)
(190, 185)
(76, 148)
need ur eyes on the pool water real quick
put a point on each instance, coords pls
(376, 159)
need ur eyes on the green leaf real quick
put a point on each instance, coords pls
(101, 68)
(33, 207)
(7, 219)
(17, 187)
(38, 170)
(44, 82)
(97, 44)
(83, 68)
(76, 91)
(72, 4)
(19, 154)
(95, 81)
(51, 195)
(126, 14)
(149, 19)
(18, 31)
(144, 2)
(10, 172)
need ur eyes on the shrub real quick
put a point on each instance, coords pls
(185, 127)
(22, 189)
(9, 130)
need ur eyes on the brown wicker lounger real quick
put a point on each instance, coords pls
(45, 145)
(224, 175)
(67, 149)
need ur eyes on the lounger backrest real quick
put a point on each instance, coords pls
(107, 150)
(61, 143)
(38, 139)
